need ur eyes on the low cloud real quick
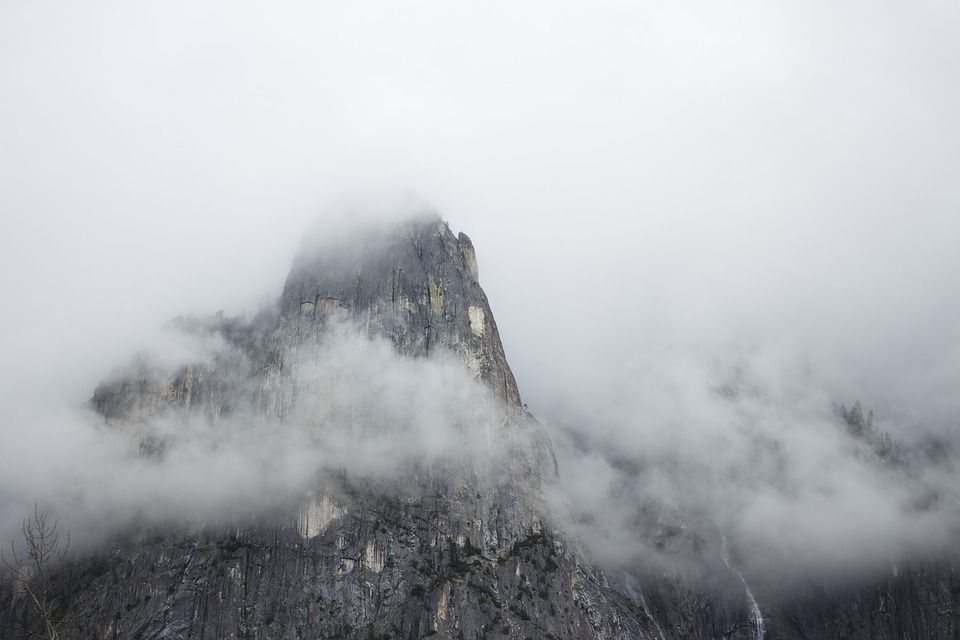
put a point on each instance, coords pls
(700, 226)
(801, 487)
(362, 410)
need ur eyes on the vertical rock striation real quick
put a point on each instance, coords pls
(415, 283)
(459, 546)
(453, 550)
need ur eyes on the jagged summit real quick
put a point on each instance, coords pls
(413, 282)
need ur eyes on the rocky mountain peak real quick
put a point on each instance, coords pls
(455, 544)
(414, 282)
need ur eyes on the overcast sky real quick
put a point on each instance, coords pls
(650, 186)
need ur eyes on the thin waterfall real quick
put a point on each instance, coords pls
(755, 613)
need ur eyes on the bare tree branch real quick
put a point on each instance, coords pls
(32, 573)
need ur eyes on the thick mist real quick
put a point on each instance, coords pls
(682, 454)
(701, 229)
(364, 411)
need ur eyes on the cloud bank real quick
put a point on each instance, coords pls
(660, 196)
(365, 411)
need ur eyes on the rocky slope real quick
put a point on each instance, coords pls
(453, 548)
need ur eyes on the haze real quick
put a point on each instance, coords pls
(663, 198)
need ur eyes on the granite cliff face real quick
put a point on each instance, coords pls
(452, 549)
(417, 284)
(458, 546)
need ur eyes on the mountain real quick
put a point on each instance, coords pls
(406, 531)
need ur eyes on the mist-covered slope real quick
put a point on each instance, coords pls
(387, 481)
(423, 514)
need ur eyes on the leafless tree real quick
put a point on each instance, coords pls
(32, 574)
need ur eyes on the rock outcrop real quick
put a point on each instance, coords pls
(455, 549)
(456, 552)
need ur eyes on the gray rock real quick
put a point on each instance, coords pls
(449, 553)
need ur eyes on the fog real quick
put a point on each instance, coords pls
(666, 201)
(365, 411)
